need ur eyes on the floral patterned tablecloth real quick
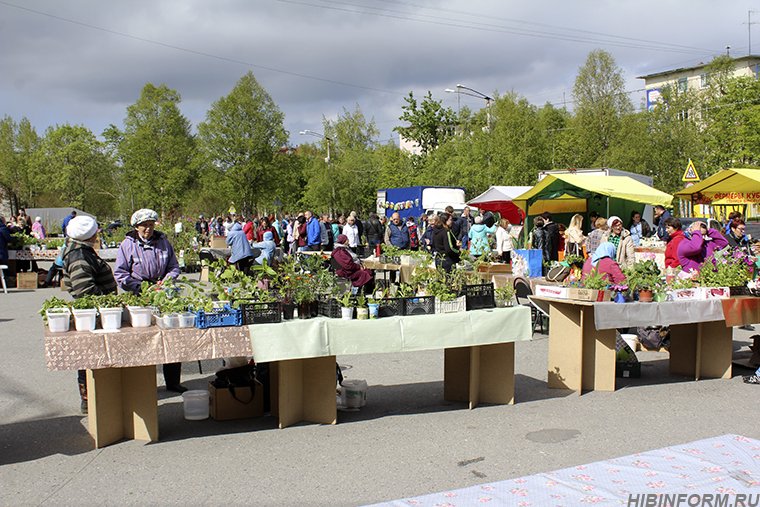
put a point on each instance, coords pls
(728, 464)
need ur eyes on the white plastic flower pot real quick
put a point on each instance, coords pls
(171, 320)
(110, 318)
(374, 309)
(186, 319)
(346, 313)
(59, 319)
(140, 316)
(84, 320)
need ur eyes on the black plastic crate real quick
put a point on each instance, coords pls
(479, 296)
(329, 308)
(261, 313)
(390, 307)
(424, 305)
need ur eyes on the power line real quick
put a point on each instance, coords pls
(197, 52)
(487, 27)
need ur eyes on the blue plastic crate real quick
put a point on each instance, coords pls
(224, 317)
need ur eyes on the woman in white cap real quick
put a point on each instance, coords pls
(84, 273)
(146, 255)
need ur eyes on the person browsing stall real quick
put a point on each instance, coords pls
(146, 255)
(700, 245)
(349, 266)
(621, 238)
(603, 261)
(84, 273)
(672, 229)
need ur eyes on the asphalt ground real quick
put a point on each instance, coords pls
(407, 441)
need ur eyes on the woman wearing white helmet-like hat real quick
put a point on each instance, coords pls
(146, 255)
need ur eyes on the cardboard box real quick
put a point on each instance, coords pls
(26, 280)
(559, 292)
(698, 293)
(223, 406)
(218, 242)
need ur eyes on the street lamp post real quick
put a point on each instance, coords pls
(327, 139)
(462, 89)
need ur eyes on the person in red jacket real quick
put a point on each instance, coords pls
(603, 261)
(248, 229)
(347, 265)
(673, 228)
(265, 226)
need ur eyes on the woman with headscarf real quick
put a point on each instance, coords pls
(603, 261)
(38, 230)
(266, 248)
(146, 255)
(241, 254)
(347, 265)
(621, 238)
(84, 273)
(574, 238)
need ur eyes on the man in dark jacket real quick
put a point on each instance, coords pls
(660, 215)
(5, 238)
(552, 236)
(375, 231)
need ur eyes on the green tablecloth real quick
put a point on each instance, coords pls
(298, 339)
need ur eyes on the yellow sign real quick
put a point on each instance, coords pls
(691, 173)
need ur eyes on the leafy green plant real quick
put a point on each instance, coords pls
(51, 304)
(595, 280)
(727, 268)
(85, 303)
(504, 293)
(644, 275)
(347, 300)
(574, 260)
(361, 301)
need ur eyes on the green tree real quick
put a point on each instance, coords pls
(241, 136)
(600, 103)
(429, 122)
(348, 182)
(76, 166)
(155, 151)
(18, 142)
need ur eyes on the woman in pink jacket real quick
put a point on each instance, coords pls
(693, 251)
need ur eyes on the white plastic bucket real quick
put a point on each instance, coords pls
(110, 318)
(195, 404)
(354, 393)
(84, 320)
(59, 320)
(186, 319)
(346, 313)
(140, 316)
(631, 339)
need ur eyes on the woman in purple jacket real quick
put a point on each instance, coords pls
(146, 255)
(693, 251)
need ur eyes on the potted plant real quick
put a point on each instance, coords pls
(619, 290)
(728, 268)
(373, 305)
(504, 295)
(85, 313)
(347, 303)
(362, 312)
(110, 307)
(57, 314)
(644, 278)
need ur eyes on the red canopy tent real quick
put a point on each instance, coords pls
(499, 199)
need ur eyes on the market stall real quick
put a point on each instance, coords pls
(565, 194)
(500, 199)
(725, 191)
(478, 361)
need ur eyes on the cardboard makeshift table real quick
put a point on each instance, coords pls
(582, 339)
(478, 356)
(121, 371)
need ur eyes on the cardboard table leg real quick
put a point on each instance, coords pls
(122, 403)
(598, 372)
(305, 391)
(484, 373)
(683, 350)
(565, 365)
(715, 349)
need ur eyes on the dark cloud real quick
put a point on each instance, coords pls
(82, 71)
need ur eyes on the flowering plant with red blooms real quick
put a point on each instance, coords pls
(727, 268)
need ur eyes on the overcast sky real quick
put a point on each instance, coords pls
(84, 62)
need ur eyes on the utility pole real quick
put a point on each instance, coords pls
(749, 30)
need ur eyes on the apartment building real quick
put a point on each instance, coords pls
(694, 78)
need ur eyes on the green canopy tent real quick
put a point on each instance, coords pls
(566, 194)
